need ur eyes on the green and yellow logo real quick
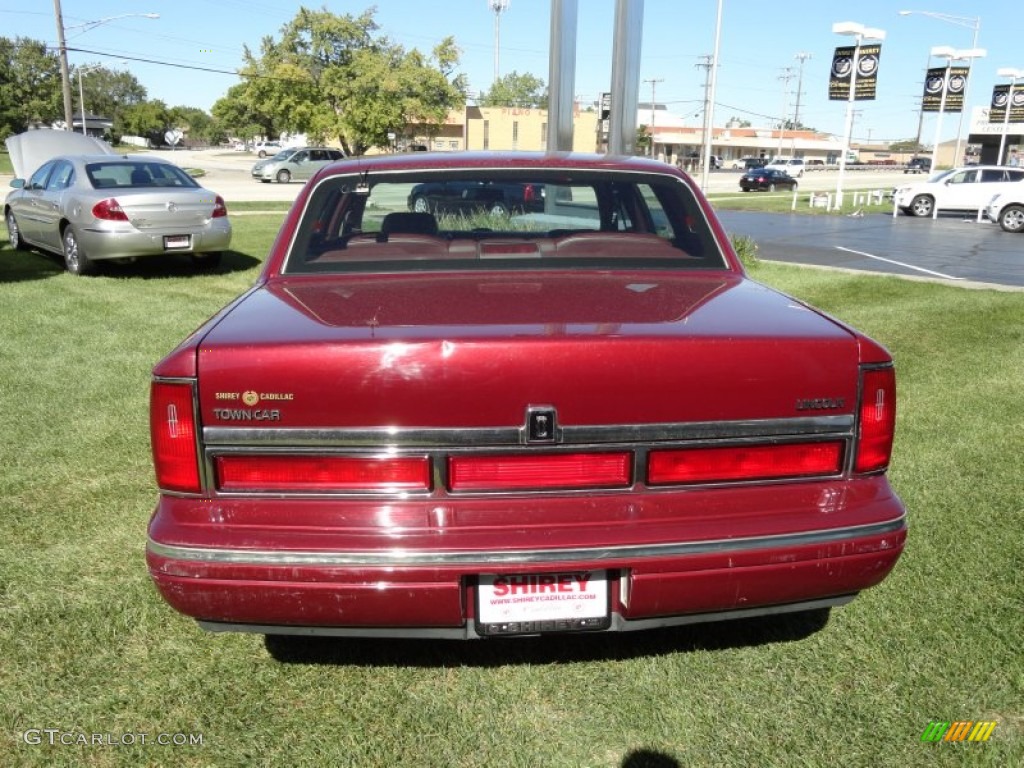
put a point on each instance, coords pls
(961, 730)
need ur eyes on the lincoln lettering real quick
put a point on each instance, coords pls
(238, 414)
(537, 584)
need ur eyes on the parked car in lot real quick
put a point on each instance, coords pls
(919, 165)
(581, 419)
(265, 148)
(748, 163)
(92, 208)
(766, 180)
(466, 197)
(961, 189)
(1007, 209)
(794, 166)
(298, 163)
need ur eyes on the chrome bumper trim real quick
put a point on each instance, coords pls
(515, 557)
(428, 437)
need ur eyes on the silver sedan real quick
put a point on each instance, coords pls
(89, 208)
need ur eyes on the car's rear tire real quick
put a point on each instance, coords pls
(283, 176)
(206, 260)
(262, 153)
(14, 233)
(1011, 219)
(75, 260)
(420, 204)
(922, 205)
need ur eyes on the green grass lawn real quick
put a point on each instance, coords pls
(782, 202)
(88, 648)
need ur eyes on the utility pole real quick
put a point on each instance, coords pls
(654, 82)
(705, 63)
(785, 77)
(65, 76)
(801, 57)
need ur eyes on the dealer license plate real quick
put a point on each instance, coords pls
(177, 242)
(529, 603)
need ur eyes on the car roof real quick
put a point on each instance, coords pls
(481, 160)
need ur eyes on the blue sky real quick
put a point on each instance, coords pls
(759, 40)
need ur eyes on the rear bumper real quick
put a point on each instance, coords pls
(410, 593)
(102, 244)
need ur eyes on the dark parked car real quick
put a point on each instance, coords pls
(467, 197)
(587, 419)
(766, 179)
(919, 165)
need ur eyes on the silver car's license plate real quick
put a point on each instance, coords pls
(177, 242)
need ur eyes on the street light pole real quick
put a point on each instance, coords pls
(81, 95)
(969, 22)
(1014, 75)
(62, 49)
(859, 33)
(951, 55)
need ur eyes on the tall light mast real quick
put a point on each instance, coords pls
(498, 6)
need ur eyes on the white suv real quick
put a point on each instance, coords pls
(1007, 208)
(794, 166)
(961, 189)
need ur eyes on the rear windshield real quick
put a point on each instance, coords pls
(501, 219)
(133, 175)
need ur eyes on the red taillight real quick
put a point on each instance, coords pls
(877, 419)
(744, 462)
(305, 473)
(172, 429)
(219, 208)
(109, 210)
(557, 470)
(529, 193)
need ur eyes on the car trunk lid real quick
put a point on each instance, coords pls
(462, 351)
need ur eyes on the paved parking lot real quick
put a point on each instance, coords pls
(949, 248)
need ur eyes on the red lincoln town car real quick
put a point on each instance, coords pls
(478, 423)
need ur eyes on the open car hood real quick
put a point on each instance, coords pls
(31, 149)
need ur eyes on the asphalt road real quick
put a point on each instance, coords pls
(951, 249)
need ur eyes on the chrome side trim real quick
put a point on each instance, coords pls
(427, 437)
(488, 561)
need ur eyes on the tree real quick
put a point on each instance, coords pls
(643, 140)
(907, 145)
(149, 119)
(333, 76)
(515, 90)
(236, 114)
(107, 92)
(30, 85)
(198, 126)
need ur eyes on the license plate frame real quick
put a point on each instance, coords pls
(538, 603)
(177, 242)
